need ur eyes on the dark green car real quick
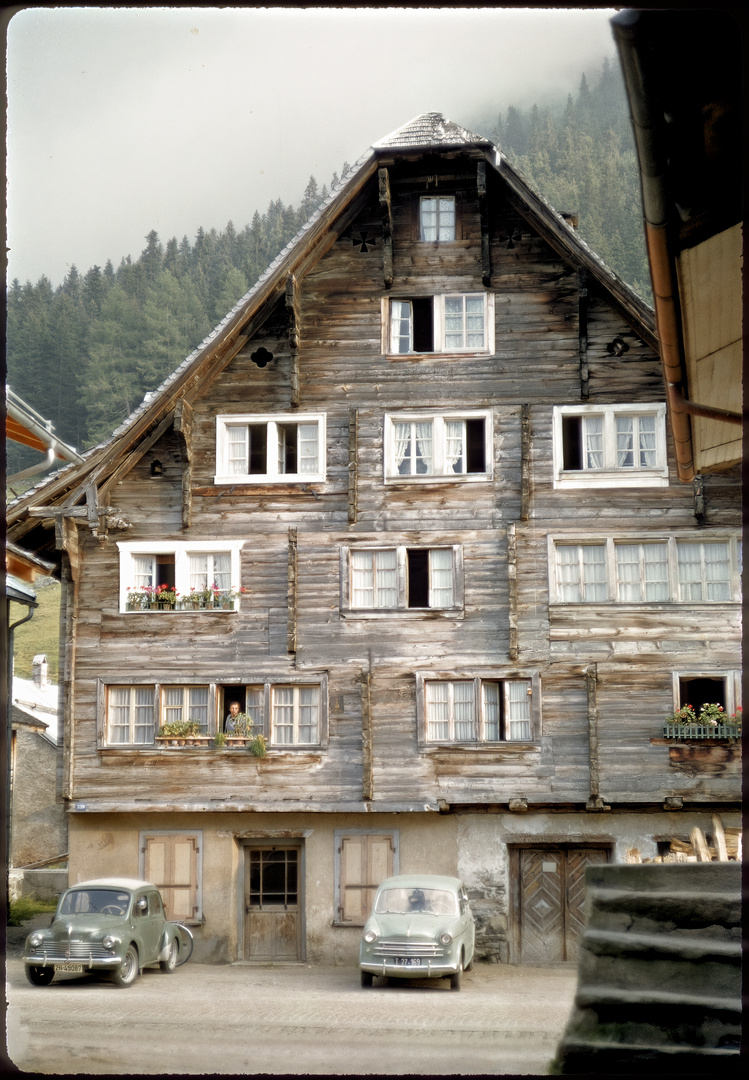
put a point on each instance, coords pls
(117, 925)
(421, 927)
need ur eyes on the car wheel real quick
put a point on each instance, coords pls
(456, 978)
(40, 976)
(128, 971)
(366, 978)
(469, 967)
(170, 964)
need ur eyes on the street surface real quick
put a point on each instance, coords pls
(289, 1020)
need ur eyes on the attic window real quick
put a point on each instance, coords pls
(437, 218)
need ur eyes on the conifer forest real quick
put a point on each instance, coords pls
(84, 353)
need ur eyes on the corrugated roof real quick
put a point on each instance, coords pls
(430, 129)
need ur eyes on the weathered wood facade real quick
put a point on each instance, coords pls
(475, 728)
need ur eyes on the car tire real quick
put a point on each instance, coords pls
(469, 967)
(40, 976)
(457, 977)
(170, 964)
(129, 969)
(367, 978)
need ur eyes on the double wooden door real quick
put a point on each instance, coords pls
(273, 904)
(549, 901)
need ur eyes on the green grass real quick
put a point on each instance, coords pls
(40, 634)
(24, 909)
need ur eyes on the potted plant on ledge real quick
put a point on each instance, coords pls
(712, 722)
(152, 598)
(182, 733)
(240, 732)
(211, 598)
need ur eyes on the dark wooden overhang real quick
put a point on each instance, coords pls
(683, 73)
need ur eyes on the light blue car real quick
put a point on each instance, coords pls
(421, 927)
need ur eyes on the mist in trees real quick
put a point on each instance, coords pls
(85, 354)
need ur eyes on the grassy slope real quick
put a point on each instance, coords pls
(40, 634)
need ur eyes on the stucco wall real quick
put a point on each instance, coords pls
(38, 819)
(475, 846)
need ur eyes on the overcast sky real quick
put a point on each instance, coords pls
(124, 120)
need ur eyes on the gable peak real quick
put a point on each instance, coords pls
(430, 129)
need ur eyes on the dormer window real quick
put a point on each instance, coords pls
(437, 218)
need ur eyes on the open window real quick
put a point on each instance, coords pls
(610, 445)
(388, 579)
(701, 687)
(169, 575)
(270, 449)
(287, 714)
(452, 323)
(444, 446)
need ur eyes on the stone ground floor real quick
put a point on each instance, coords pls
(297, 887)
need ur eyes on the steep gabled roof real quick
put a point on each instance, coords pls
(429, 132)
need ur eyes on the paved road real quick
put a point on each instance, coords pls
(290, 1020)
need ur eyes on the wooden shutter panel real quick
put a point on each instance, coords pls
(365, 862)
(171, 863)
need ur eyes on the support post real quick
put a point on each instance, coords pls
(595, 802)
(512, 581)
(183, 421)
(294, 330)
(582, 279)
(353, 467)
(291, 592)
(386, 210)
(525, 462)
(486, 254)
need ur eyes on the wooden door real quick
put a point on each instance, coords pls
(550, 902)
(273, 904)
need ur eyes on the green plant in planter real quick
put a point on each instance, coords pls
(219, 740)
(258, 746)
(179, 729)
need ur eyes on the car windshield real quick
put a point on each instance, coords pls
(408, 901)
(95, 902)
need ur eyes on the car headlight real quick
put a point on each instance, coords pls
(445, 938)
(35, 940)
(109, 942)
(370, 936)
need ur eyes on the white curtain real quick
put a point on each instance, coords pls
(308, 452)
(401, 439)
(642, 572)
(437, 710)
(238, 447)
(518, 702)
(568, 573)
(308, 712)
(594, 572)
(454, 446)
(491, 711)
(424, 463)
(400, 326)
(441, 578)
(144, 567)
(464, 726)
(593, 442)
(646, 426)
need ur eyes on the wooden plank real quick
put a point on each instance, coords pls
(383, 177)
(699, 844)
(719, 838)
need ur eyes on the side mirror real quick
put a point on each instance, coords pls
(142, 904)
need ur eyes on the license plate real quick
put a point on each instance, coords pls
(77, 969)
(407, 961)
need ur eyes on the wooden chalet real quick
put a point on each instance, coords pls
(414, 506)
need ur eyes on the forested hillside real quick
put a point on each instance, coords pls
(84, 354)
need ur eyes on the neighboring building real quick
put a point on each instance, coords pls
(39, 821)
(426, 464)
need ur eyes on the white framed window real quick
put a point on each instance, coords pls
(438, 446)
(610, 446)
(270, 449)
(437, 220)
(173, 861)
(295, 714)
(401, 578)
(475, 710)
(130, 715)
(194, 575)
(182, 703)
(451, 323)
(638, 570)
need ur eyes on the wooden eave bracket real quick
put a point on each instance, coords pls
(486, 252)
(386, 209)
(294, 332)
(183, 427)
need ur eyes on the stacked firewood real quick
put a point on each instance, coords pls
(724, 846)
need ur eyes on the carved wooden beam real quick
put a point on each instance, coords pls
(582, 278)
(387, 226)
(183, 425)
(366, 731)
(294, 331)
(486, 253)
(353, 466)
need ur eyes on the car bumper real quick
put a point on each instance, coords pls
(429, 968)
(89, 963)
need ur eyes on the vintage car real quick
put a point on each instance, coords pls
(421, 927)
(117, 925)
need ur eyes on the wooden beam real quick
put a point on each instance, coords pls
(131, 460)
(595, 802)
(183, 428)
(512, 576)
(525, 461)
(386, 209)
(294, 331)
(353, 465)
(582, 308)
(291, 592)
(366, 726)
(486, 251)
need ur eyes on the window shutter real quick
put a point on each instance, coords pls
(365, 862)
(171, 863)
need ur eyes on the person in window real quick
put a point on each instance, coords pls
(230, 724)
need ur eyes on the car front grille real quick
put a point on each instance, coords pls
(390, 947)
(59, 952)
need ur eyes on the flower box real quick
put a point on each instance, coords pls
(684, 732)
